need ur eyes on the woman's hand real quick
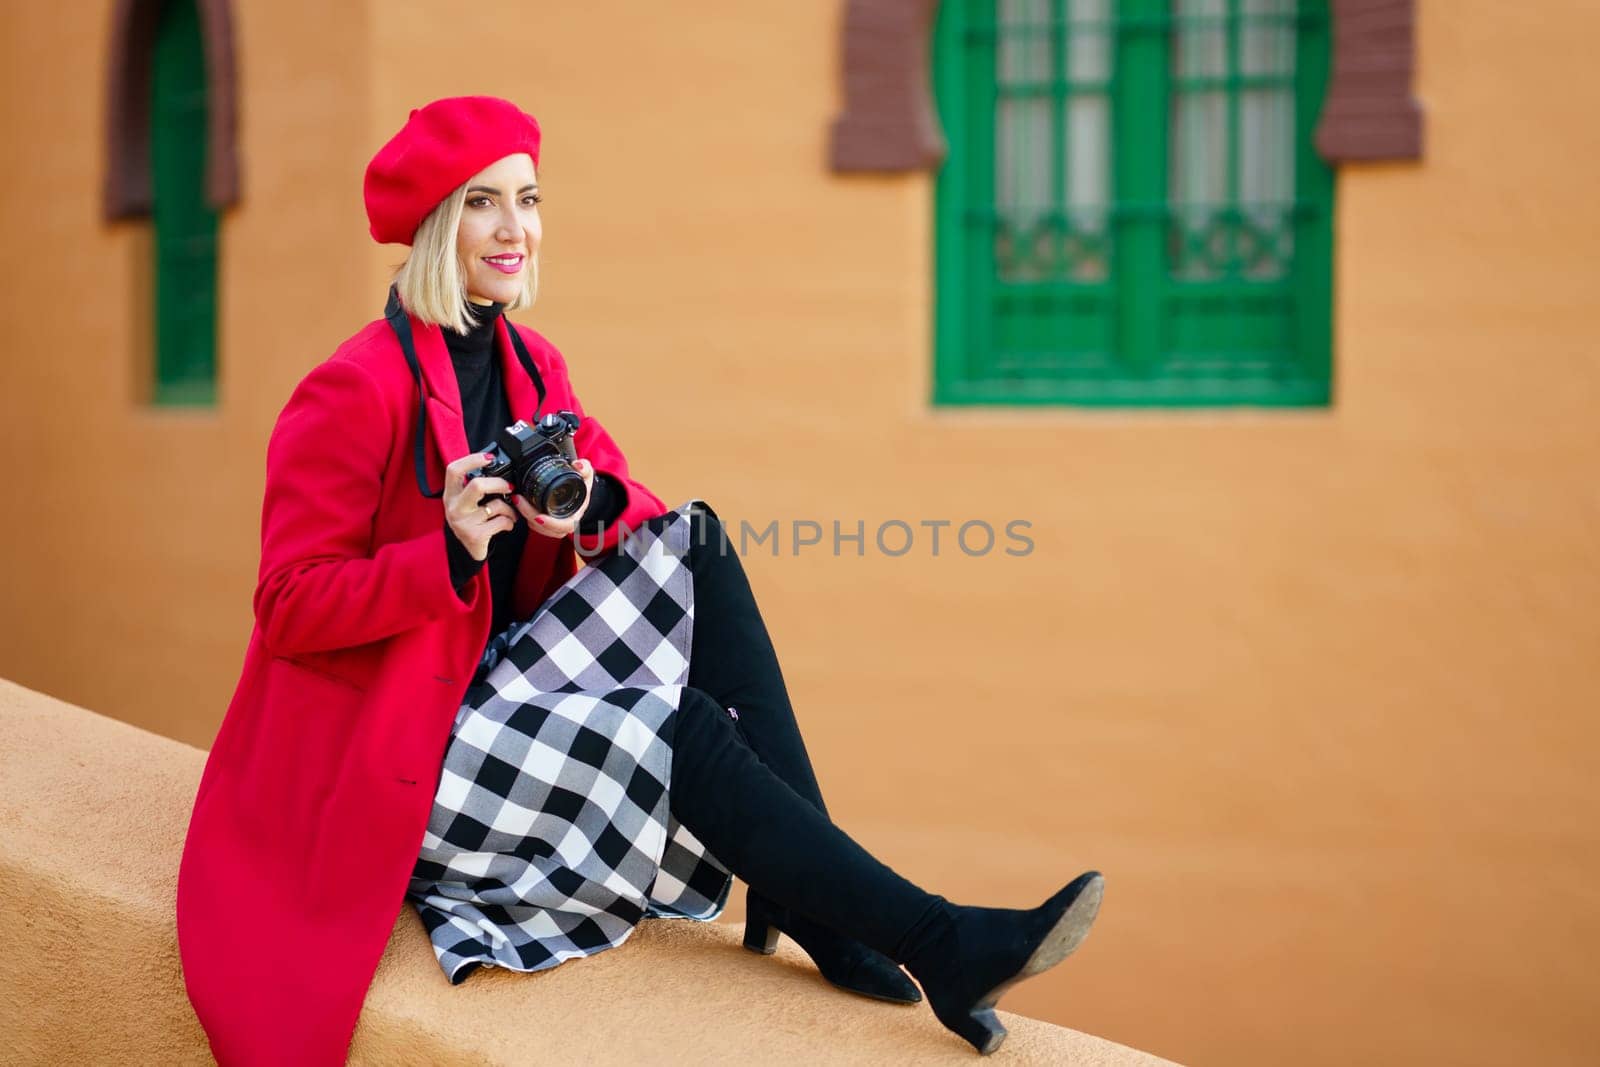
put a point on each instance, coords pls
(549, 525)
(471, 519)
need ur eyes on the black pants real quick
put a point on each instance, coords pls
(746, 789)
(732, 659)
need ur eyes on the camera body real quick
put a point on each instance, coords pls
(537, 460)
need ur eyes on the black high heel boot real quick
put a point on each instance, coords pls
(847, 964)
(979, 953)
(733, 660)
(766, 833)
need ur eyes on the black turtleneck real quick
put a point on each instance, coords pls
(484, 413)
(484, 408)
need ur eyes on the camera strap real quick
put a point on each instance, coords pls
(400, 323)
(527, 365)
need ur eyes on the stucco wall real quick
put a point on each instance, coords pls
(91, 830)
(136, 528)
(1314, 689)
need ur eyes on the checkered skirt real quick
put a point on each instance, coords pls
(550, 836)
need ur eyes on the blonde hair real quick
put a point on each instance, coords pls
(432, 282)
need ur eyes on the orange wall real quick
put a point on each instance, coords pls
(131, 552)
(1316, 690)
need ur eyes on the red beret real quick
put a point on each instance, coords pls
(440, 147)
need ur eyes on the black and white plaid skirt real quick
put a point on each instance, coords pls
(551, 836)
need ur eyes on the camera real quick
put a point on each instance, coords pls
(537, 461)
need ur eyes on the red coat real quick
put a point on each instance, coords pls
(318, 788)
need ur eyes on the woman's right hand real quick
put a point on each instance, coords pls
(472, 520)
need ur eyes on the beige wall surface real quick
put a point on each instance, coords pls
(1316, 690)
(131, 551)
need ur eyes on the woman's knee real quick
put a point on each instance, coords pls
(702, 518)
(707, 537)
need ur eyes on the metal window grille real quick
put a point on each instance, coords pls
(1132, 211)
(184, 223)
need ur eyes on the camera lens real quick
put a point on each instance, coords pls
(554, 487)
(566, 496)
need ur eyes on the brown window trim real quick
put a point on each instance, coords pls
(889, 123)
(127, 188)
(1370, 113)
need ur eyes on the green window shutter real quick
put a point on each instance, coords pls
(185, 225)
(1132, 211)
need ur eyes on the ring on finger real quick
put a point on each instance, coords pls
(487, 514)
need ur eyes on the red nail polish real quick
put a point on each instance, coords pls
(539, 519)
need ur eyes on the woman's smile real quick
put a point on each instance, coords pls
(510, 263)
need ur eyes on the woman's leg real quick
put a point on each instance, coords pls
(767, 834)
(733, 660)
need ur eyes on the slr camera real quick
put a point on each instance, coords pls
(537, 460)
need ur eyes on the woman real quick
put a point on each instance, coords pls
(439, 706)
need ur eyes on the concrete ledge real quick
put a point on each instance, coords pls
(92, 818)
